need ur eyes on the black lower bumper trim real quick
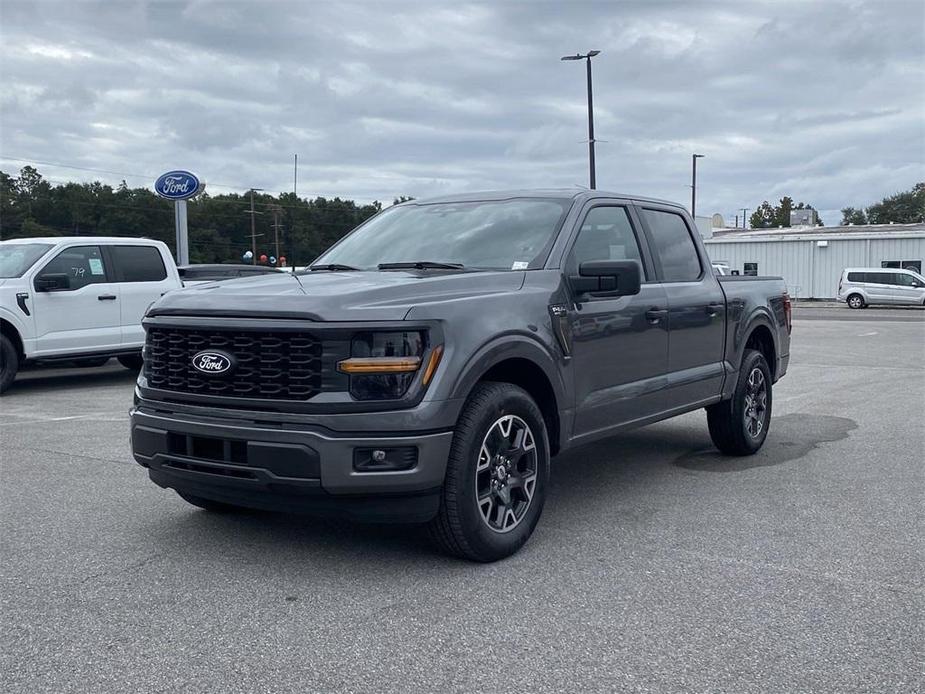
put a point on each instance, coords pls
(310, 500)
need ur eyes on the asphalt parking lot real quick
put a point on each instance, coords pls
(658, 565)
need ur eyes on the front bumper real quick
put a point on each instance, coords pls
(282, 466)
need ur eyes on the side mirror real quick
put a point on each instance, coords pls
(607, 278)
(52, 282)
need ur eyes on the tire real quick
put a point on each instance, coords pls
(509, 470)
(208, 504)
(856, 301)
(132, 362)
(9, 363)
(735, 427)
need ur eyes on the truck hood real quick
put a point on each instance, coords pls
(334, 296)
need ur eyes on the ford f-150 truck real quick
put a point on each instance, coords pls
(428, 365)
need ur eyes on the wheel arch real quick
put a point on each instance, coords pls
(12, 333)
(524, 363)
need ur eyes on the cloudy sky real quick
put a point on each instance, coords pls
(824, 101)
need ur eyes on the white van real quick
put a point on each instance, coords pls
(78, 298)
(864, 286)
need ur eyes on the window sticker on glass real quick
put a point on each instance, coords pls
(96, 266)
(520, 265)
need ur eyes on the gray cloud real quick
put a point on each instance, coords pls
(822, 101)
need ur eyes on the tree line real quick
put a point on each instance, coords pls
(219, 225)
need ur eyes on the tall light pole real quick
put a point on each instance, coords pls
(587, 58)
(694, 158)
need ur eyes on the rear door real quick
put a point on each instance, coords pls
(696, 308)
(84, 317)
(619, 344)
(143, 278)
(879, 287)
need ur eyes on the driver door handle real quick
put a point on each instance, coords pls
(654, 315)
(107, 297)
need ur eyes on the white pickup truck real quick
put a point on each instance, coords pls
(78, 299)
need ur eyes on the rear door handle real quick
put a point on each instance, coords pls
(654, 315)
(107, 297)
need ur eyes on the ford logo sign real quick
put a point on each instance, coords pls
(213, 362)
(177, 185)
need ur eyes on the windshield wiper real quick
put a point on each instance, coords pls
(332, 266)
(421, 265)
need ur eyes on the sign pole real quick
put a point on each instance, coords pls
(179, 207)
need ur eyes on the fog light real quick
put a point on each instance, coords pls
(384, 459)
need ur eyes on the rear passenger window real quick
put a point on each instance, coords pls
(606, 234)
(83, 265)
(856, 277)
(878, 277)
(138, 264)
(673, 245)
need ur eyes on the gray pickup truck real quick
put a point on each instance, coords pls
(428, 366)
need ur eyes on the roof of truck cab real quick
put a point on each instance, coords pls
(85, 239)
(567, 193)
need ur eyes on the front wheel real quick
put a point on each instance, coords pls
(496, 477)
(739, 426)
(132, 362)
(9, 362)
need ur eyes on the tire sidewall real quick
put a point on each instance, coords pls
(860, 302)
(752, 359)
(465, 451)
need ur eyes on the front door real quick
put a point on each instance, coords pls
(906, 289)
(696, 309)
(84, 317)
(620, 344)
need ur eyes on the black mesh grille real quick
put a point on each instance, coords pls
(274, 365)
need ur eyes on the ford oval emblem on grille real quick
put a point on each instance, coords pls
(213, 362)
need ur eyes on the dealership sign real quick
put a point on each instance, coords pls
(177, 185)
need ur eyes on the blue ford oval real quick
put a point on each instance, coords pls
(177, 185)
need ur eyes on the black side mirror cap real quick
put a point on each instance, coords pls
(52, 282)
(607, 278)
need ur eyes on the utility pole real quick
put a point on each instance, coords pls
(254, 226)
(276, 228)
(694, 158)
(295, 175)
(744, 218)
(587, 58)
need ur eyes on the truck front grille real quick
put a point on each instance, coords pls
(272, 365)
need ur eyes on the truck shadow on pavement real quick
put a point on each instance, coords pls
(791, 436)
(608, 478)
(41, 379)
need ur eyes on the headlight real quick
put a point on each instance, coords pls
(383, 365)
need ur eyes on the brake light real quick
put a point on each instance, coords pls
(788, 312)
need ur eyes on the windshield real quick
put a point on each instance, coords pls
(501, 235)
(16, 258)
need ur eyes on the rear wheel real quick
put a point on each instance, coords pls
(132, 362)
(208, 504)
(739, 426)
(856, 301)
(9, 362)
(497, 474)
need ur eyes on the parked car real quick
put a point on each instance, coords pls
(430, 363)
(196, 274)
(67, 299)
(860, 287)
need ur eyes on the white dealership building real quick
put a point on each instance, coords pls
(811, 259)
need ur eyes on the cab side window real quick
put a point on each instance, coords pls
(83, 265)
(674, 246)
(138, 264)
(606, 234)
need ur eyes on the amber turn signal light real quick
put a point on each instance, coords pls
(379, 365)
(432, 363)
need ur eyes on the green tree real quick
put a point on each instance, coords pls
(903, 208)
(849, 215)
(768, 216)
